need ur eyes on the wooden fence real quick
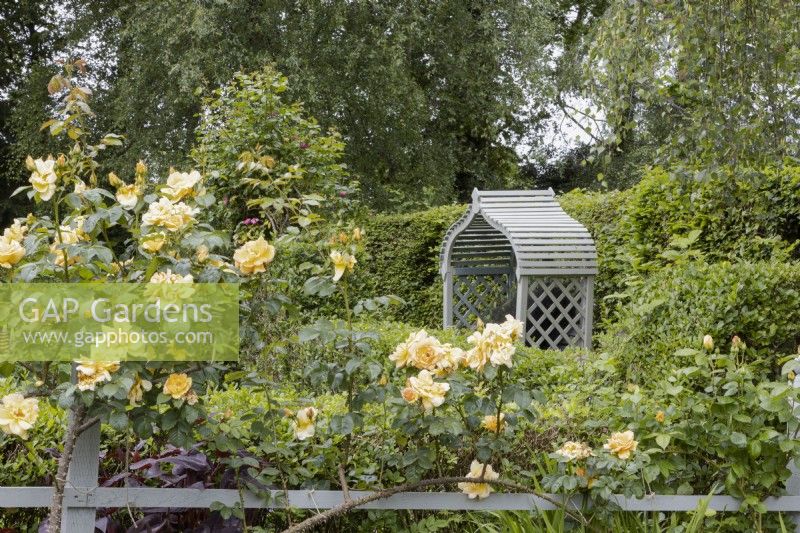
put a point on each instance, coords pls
(83, 497)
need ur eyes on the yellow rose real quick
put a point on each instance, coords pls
(11, 252)
(114, 180)
(621, 444)
(154, 241)
(90, 373)
(478, 470)
(128, 196)
(409, 394)
(43, 178)
(513, 328)
(177, 385)
(139, 387)
(141, 168)
(401, 355)
(358, 234)
(171, 216)
(80, 187)
(430, 393)
(495, 344)
(708, 343)
(660, 417)
(303, 425)
(426, 351)
(490, 422)
(191, 397)
(170, 277)
(180, 184)
(18, 414)
(574, 451)
(202, 253)
(16, 231)
(341, 262)
(451, 359)
(254, 256)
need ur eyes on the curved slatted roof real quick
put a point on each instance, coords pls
(523, 228)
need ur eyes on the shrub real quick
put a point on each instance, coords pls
(273, 164)
(749, 214)
(401, 257)
(759, 302)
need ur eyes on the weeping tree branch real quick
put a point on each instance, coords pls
(349, 505)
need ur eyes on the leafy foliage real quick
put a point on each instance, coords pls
(273, 166)
(711, 81)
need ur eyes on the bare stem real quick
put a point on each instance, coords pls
(76, 419)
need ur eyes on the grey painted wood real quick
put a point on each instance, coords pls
(529, 232)
(83, 471)
(93, 497)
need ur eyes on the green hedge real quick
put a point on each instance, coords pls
(759, 302)
(749, 216)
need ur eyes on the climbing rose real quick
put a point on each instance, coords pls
(478, 490)
(180, 184)
(18, 414)
(168, 215)
(303, 425)
(574, 451)
(43, 177)
(430, 393)
(341, 262)
(254, 256)
(621, 444)
(490, 422)
(11, 252)
(177, 385)
(90, 373)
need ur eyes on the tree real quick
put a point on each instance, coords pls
(27, 32)
(710, 82)
(429, 96)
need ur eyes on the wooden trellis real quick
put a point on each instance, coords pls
(519, 253)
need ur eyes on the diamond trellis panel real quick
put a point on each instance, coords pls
(556, 311)
(488, 297)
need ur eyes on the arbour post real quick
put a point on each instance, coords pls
(447, 304)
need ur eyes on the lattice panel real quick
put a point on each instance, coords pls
(485, 296)
(556, 311)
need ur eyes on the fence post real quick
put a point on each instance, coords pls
(82, 475)
(793, 483)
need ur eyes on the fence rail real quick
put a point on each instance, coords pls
(141, 497)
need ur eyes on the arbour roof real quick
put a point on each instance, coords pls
(525, 228)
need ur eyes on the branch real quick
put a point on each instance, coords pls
(347, 506)
(343, 482)
(76, 416)
(86, 425)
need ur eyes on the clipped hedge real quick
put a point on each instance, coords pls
(753, 215)
(675, 308)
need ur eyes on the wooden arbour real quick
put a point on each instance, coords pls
(519, 253)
